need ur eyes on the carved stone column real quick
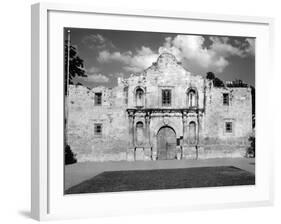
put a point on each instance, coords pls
(185, 135)
(147, 148)
(131, 149)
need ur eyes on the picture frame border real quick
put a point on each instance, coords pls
(40, 86)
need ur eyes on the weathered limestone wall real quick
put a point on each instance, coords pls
(166, 74)
(83, 114)
(121, 140)
(217, 142)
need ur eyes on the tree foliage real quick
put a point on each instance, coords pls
(69, 156)
(253, 93)
(76, 64)
(216, 81)
(210, 75)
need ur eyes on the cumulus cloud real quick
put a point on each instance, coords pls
(97, 41)
(92, 70)
(250, 46)
(191, 50)
(142, 59)
(97, 78)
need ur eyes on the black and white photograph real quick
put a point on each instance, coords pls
(157, 111)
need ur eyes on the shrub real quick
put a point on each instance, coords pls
(216, 81)
(251, 151)
(69, 156)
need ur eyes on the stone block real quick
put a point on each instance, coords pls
(139, 153)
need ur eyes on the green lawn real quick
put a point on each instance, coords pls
(134, 180)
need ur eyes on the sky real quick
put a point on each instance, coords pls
(109, 54)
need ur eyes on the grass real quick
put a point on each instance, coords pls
(135, 180)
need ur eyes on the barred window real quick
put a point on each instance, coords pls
(166, 97)
(228, 127)
(98, 129)
(98, 98)
(225, 99)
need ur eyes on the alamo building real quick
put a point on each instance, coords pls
(162, 113)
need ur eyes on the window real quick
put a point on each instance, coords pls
(228, 127)
(98, 129)
(225, 99)
(98, 98)
(191, 98)
(166, 97)
(139, 97)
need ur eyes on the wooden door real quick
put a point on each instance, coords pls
(166, 143)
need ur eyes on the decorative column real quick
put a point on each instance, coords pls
(147, 148)
(131, 149)
(185, 135)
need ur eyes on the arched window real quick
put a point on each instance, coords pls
(139, 97)
(125, 95)
(191, 98)
(192, 132)
(139, 133)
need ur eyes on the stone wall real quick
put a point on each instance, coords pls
(83, 114)
(118, 139)
(217, 142)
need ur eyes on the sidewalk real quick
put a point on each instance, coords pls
(79, 172)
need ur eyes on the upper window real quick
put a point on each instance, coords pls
(98, 129)
(98, 98)
(139, 97)
(228, 127)
(191, 98)
(225, 99)
(166, 97)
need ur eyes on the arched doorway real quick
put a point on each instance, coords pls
(166, 143)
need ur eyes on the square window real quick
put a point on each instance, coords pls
(166, 97)
(98, 98)
(226, 99)
(98, 129)
(228, 127)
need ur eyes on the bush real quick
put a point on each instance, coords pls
(251, 151)
(69, 156)
(216, 81)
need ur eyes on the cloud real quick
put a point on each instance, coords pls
(92, 70)
(97, 41)
(191, 50)
(250, 46)
(143, 58)
(97, 78)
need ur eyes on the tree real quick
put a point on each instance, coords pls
(253, 93)
(216, 81)
(210, 75)
(76, 64)
(69, 156)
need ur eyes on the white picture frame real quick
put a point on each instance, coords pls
(48, 201)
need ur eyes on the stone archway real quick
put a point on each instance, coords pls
(166, 143)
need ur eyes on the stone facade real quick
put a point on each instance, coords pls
(165, 112)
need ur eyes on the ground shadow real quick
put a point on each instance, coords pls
(134, 180)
